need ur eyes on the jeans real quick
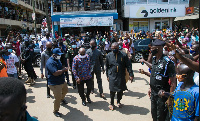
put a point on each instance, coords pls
(59, 92)
(13, 75)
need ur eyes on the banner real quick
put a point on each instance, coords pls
(14, 1)
(149, 11)
(86, 21)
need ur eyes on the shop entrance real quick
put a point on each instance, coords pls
(161, 24)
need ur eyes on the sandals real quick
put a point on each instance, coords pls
(111, 107)
(119, 105)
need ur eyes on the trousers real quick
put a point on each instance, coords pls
(59, 92)
(99, 81)
(159, 109)
(29, 69)
(67, 76)
(73, 79)
(112, 96)
(48, 89)
(81, 88)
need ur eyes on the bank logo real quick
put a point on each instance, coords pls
(142, 12)
(181, 105)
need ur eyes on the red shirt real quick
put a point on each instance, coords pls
(126, 46)
(17, 48)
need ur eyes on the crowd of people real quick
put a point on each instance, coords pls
(173, 68)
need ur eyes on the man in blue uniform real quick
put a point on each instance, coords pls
(56, 79)
(162, 70)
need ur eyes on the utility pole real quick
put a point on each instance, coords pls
(34, 19)
(47, 15)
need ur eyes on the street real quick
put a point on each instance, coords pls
(136, 102)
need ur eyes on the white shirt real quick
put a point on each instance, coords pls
(11, 68)
(43, 42)
(107, 45)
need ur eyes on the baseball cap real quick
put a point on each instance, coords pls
(57, 51)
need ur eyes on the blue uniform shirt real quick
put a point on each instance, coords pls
(52, 66)
(186, 104)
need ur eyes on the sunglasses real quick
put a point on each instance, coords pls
(181, 76)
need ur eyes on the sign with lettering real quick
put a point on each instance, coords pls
(86, 21)
(150, 11)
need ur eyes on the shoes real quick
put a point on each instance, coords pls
(32, 83)
(28, 80)
(92, 91)
(48, 96)
(119, 105)
(64, 102)
(74, 87)
(19, 77)
(89, 100)
(68, 83)
(102, 95)
(57, 114)
(83, 103)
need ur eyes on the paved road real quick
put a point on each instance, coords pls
(136, 102)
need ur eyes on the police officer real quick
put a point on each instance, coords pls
(71, 53)
(162, 70)
(27, 61)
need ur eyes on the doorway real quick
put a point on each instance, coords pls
(161, 24)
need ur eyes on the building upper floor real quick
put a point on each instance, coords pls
(129, 2)
(84, 5)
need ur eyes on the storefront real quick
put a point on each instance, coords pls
(152, 17)
(83, 21)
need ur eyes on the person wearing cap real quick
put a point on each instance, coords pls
(162, 70)
(56, 79)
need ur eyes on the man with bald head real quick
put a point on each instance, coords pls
(116, 63)
(82, 72)
(96, 61)
(45, 55)
(187, 93)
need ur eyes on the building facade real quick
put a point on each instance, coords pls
(191, 19)
(151, 15)
(17, 15)
(76, 16)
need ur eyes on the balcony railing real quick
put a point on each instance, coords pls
(84, 6)
(128, 2)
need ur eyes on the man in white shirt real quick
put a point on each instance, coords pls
(12, 62)
(43, 42)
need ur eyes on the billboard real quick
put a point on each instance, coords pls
(152, 11)
(86, 21)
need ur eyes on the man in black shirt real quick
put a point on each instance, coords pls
(162, 70)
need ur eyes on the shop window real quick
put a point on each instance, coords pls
(137, 26)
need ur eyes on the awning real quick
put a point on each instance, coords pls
(187, 17)
(57, 17)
